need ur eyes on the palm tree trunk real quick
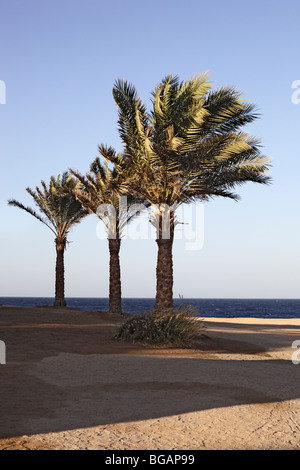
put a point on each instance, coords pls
(60, 273)
(115, 300)
(164, 273)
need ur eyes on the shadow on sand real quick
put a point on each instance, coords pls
(58, 389)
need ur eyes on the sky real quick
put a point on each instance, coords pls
(59, 62)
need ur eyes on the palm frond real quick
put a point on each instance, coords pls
(15, 203)
(130, 108)
(227, 111)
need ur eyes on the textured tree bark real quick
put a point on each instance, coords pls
(115, 298)
(164, 274)
(60, 273)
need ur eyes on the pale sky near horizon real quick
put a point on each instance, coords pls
(59, 61)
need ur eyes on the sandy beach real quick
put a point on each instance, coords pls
(67, 384)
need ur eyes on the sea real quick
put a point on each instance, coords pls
(220, 308)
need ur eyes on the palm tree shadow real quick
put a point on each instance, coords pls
(71, 391)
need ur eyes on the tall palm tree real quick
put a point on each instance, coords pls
(99, 193)
(189, 147)
(59, 212)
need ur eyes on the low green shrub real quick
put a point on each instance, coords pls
(179, 327)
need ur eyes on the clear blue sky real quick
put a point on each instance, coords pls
(59, 61)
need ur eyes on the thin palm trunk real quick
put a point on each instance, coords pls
(115, 301)
(59, 211)
(60, 273)
(164, 272)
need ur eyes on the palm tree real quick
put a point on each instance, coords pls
(188, 148)
(99, 193)
(59, 212)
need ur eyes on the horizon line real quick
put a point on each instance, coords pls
(151, 298)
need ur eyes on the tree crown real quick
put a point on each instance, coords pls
(190, 146)
(57, 208)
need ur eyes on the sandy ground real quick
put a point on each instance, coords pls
(67, 384)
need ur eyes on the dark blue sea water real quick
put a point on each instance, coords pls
(226, 308)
